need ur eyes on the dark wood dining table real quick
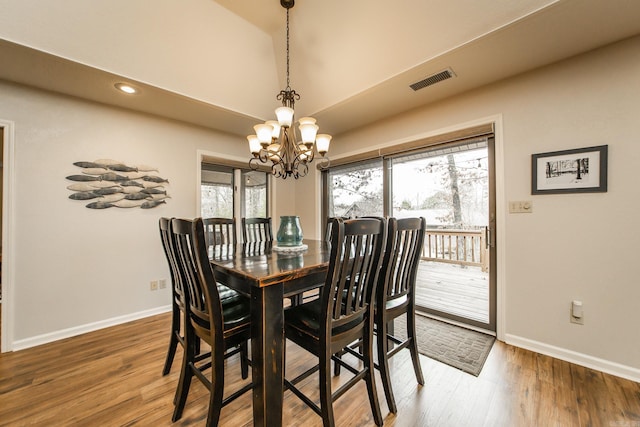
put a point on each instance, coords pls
(269, 276)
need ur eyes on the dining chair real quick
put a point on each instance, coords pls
(396, 296)
(325, 328)
(327, 226)
(222, 321)
(178, 302)
(256, 230)
(220, 231)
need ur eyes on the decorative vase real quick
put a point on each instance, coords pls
(290, 231)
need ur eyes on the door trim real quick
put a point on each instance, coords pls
(8, 240)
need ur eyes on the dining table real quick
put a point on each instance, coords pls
(269, 275)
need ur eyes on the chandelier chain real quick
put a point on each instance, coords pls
(288, 85)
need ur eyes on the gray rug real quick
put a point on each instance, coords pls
(461, 348)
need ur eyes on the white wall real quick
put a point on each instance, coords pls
(574, 246)
(74, 268)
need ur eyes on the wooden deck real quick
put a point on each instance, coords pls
(460, 290)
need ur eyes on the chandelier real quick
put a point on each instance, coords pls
(275, 141)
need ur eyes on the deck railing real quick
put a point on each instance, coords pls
(464, 247)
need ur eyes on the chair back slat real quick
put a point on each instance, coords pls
(356, 248)
(405, 238)
(257, 230)
(220, 231)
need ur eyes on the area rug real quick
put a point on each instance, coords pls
(459, 347)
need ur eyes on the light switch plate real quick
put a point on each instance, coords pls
(524, 206)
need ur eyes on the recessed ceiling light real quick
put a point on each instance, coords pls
(126, 88)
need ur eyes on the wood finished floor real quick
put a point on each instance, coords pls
(113, 377)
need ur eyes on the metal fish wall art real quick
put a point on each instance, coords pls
(151, 204)
(109, 183)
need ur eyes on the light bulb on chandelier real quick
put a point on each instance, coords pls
(276, 142)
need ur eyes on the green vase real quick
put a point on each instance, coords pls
(290, 231)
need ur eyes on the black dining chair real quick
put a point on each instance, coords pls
(324, 327)
(178, 301)
(396, 296)
(222, 321)
(256, 230)
(327, 226)
(220, 231)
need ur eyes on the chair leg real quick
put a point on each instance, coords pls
(173, 341)
(216, 392)
(370, 377)
(413, 347)
(383, 364)
(326, 402)
(244, 357)
(184, 383)
(336, 365)
(198, 342)
(186, 374)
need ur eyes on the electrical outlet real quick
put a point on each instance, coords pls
(162, 283)
(576, 313)
(154, 285)
(576, 320)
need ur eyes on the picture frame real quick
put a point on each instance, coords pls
(580, 170)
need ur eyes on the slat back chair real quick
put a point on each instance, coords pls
(220, 231)
(343, 313)
(178, 302)
(257, 230)
(396, 296)
(222, 321)
(328, 226)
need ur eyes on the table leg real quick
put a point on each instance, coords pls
(267, 354)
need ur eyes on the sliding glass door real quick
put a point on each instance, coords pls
(451, 185)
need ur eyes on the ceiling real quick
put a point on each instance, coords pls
(352, 61)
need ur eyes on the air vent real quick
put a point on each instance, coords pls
(433, 79)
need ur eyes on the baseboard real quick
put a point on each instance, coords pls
(581, 359)
(83, 329)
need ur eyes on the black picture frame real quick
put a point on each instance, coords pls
(580, 170)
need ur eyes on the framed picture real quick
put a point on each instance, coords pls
(581, 170)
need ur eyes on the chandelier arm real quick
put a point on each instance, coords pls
(324, 164)
(278, 171)
(254, 163)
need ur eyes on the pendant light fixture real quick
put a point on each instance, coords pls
(275, 141)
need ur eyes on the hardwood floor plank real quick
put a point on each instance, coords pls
(113, 377)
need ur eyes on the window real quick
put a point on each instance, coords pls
(445, 183)
(222, 197)
(448, 186)
(254, 184)
(216, 192)
(356, 190)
